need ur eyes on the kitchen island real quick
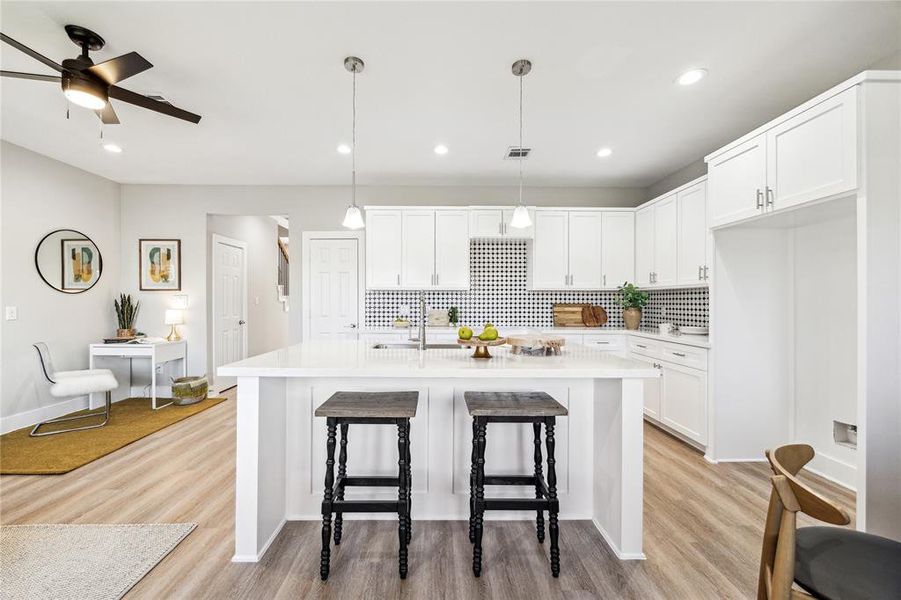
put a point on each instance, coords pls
(280, 462)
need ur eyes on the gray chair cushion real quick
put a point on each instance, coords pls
(843, 564)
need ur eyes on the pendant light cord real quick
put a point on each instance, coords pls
(521, 158)
(353, 144)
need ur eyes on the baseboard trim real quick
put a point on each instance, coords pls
(619, 553)
(833, 470)
(252, 558)
(37, 415)
(736, 460)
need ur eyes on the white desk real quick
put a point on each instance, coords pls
(158, 354)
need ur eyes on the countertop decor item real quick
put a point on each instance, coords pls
(594, 316)
(632, 299)
(401, 323)
(437, 317)
(481, 346)
(189, 390)
(174, 317)
(536, 345)
(688, 330)
(453, 315)
(126, 314)
(568, 315)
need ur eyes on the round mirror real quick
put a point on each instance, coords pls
(68, 261)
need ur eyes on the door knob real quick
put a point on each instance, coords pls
(353, 325)
(242, 322)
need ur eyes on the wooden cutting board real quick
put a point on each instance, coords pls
(594, 316)
(568, 315)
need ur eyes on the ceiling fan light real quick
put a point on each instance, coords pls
(85, 92)
(521, 218)
(353, 218)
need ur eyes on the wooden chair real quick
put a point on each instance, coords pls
(827, 562)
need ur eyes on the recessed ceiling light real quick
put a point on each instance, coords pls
(604, 152)
(114, 148)
(691, 77)
(440, 149)
(343, 149)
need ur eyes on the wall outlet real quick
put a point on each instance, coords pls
(12, 313)
(844, 434)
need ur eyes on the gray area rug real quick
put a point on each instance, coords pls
(88, 562)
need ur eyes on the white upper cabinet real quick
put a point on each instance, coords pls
(549, 261)
(644, 245)
(617, 248)
(813, 155)
(803, 158)
(419, 249)
(736, 181)
(495, 223)
(384, 243)
(452, 249)
(585, 249)
(666, 228)
(692, 252)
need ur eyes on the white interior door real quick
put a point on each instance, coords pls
(334, 297)
(618, 248)
(229, 304)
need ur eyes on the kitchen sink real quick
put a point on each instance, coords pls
(413, 346)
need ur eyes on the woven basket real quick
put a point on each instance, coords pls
(189, 390)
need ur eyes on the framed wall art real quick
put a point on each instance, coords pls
(159, 265)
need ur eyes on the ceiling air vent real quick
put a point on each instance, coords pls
(517, 153)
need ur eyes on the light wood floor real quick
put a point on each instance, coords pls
(703, 525)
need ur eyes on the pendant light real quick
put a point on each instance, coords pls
(521, 218)
(353, 218)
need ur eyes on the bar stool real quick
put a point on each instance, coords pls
(366, 408)
(536, 408)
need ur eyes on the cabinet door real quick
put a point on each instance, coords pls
(585, 249)
(418, 249)
(692, 252)
(683, 403)
(813, 155)
(644, 245)
(384, 253)
(549, 250)
(452, 249)
(521, 233)
(617, 248)
(486, 223)
(666, 229)
(736, 182)
(652, 392)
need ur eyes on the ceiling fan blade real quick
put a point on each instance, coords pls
(119, 68)
(35, 76)
(108, 115)
(23, 48)
(151, 104)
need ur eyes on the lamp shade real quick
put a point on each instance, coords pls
(174, 317)
(521, 218)
(353, 218)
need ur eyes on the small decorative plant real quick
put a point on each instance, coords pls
(453, 315)
(126, 313)
(632, 300)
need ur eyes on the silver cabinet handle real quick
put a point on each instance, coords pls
(706, 273)
(759, 199)
(602, 342)
(679, 354)
(398, 279)
(604, 280)
(770, 196)
(640, 346)
(437, 278)
(700, 273)
(500, 228)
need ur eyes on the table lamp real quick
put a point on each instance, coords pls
(174, 317)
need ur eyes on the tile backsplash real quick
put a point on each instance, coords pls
(498, 294)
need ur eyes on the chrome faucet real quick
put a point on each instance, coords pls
(421, 339)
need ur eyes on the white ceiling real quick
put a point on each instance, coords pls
(275, 98)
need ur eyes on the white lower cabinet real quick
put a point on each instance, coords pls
(652, 391)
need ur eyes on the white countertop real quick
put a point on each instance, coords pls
(698, 341)
(360, 359)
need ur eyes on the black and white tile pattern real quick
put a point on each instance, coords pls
(498, 294)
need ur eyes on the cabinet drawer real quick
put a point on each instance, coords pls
(612, 343)
(645, 347)
(686, 356)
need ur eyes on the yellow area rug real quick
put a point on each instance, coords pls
(130, 420)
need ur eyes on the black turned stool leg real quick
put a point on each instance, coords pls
(539, 520)
(480, 496)
(472, 483)
(409, 487)
(552, 496)
(402, 430)
(342, 473)
(331, 424)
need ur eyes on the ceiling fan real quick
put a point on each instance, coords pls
(92, 86)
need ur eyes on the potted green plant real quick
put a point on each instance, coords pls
(126, 313)
(632, 299)
(453, 315)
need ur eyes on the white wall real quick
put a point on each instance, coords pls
(267, 321)
(687, 173)
(38, 195)
(825, 325)
(166, 211)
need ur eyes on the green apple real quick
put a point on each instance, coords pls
(489, 335)
(464, 333)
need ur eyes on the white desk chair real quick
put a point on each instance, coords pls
(66, 384)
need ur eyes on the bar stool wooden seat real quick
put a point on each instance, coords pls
(536, 408)
(341, 410)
